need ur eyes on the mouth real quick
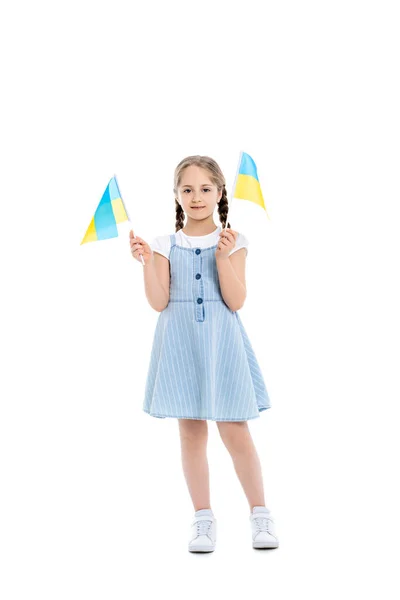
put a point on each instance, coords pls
(197, 207)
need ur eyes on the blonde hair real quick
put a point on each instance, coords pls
(216, 176)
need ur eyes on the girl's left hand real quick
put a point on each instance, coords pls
(226, 242)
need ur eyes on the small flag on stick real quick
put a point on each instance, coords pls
(110, 211)
(247, 185)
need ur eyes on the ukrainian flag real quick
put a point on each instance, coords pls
(247, 184)
(110, 211)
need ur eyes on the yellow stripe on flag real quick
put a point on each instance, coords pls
(248, 188)
(119, 210)
(90, 235)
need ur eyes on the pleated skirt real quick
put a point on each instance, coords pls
(203, 369)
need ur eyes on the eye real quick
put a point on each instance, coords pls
(206, 189)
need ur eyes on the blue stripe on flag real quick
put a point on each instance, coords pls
(248, 166)
(104, 219)
(113, 189)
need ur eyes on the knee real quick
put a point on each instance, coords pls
(232, 433)
(193, 431)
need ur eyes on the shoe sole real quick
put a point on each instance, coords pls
(265, 545)
(201, 548)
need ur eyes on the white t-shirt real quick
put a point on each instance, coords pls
(162, 243)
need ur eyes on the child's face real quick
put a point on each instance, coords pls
(197, 189)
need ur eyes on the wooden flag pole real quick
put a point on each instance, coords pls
(120, 195)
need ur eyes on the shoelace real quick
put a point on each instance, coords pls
(203, 527)
(262, 524)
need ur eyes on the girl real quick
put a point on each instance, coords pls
(202, 365)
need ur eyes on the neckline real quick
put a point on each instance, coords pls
(199, 236)
(191, 250)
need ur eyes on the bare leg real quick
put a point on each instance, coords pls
(194, 437)
(237, 439)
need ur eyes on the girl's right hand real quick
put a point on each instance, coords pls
(139, 247)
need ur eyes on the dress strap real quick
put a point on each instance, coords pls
(173, 239)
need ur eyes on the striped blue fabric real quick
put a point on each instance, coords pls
(202, 364)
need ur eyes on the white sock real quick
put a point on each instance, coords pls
(204, 511)
(257, 509)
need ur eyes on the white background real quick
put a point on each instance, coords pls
(94, 503)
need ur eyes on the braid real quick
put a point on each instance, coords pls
(223, 207)
(180, 216)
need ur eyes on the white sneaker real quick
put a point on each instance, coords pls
(203, 532)
(263, 528)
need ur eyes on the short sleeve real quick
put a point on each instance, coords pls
(241, 242)
(161, 244)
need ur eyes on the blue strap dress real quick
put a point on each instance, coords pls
(202, 365)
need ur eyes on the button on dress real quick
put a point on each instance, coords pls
(202, 364)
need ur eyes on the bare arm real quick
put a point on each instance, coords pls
(155, 271)
(232, 280)
(156, 281)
